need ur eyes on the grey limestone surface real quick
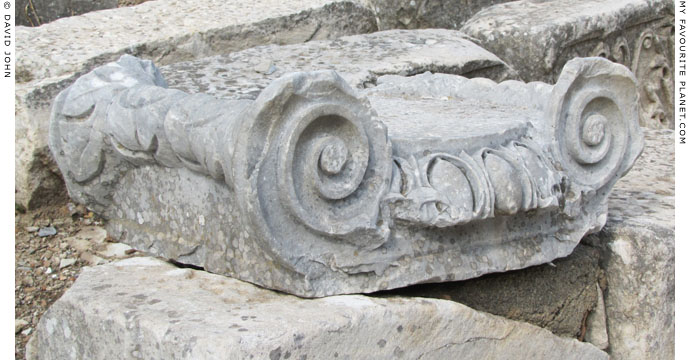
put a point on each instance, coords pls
(144, 308)
(53, 56)
(38, 12)
(315, 188)
(537, 38)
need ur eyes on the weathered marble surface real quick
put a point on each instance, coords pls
(53, 56)
(638, 252)
(169, 31)
(537, 38)
(143, 308)
(410, 14)
(635, 300)
(315, 189)
(359, 59)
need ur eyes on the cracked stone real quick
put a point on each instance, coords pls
(227, 312)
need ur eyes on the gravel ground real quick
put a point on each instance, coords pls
(52, 245)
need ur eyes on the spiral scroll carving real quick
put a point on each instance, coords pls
(332, 162)
(593, 100)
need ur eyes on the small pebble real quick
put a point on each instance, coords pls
(27, 332)
(19, 325)
(49, 270)
(67, 262)
(31, 229)
(47, 231)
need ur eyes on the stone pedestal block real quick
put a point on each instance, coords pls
(538, 38)
(316, 189)
(143, 308)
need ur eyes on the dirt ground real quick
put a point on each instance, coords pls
(47, 264)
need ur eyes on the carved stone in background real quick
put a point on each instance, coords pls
(650, 61)
(635, 33)
(653, 67)
(316, 189)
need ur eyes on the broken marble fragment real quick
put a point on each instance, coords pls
(315, 188)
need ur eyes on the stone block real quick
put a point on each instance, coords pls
(595, 331)
(315, 188)
(640, 311)
(359, 59)
(39, 12)
(557, 296)
(538, 38)
(53, 56)
(638, 256)
(142, 308)
(169, 31)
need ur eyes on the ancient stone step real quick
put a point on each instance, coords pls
(145, 308)
(314, 188)
(52, 56)
(537, 38)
